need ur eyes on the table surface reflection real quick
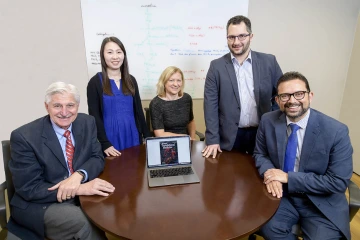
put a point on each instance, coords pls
(229, 202)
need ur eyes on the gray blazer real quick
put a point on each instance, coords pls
(222, 101)
(325, 163)
(37, 163)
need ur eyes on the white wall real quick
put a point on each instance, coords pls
(42, 42)
(350, 109)
(314, 37)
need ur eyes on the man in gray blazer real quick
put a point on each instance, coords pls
(305, 157)
(239, 89)
(54, 159)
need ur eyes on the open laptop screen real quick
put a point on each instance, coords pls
(167, 151)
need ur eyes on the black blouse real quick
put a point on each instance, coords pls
(172, 116)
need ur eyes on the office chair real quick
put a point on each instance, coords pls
(9, 186)
(148, 123)
(3, 221)
(354, 205)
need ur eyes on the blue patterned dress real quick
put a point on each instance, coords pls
(119, 120)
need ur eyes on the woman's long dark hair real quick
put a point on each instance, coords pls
(127, 84)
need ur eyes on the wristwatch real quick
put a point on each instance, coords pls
(82, 174)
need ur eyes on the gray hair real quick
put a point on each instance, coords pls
(61, 87)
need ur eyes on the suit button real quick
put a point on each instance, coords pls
(44, 208)
(238, 107)
(237, 124)
(65, 177)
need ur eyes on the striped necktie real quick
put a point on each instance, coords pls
(69, 149)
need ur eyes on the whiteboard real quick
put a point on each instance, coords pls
(161, 33)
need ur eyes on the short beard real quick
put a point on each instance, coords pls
(299, 114)
(245, 48)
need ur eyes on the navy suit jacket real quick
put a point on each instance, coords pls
(325, 162)
(37, 163)
(221, 96)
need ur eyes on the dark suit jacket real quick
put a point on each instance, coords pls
(221, 96)
(325, 162)
(37, 163)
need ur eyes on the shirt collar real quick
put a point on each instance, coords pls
(249, 59)
(58, 130)
(301, 123)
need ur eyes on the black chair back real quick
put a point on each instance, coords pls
(6, 149)
(148, 120)
(7, 185)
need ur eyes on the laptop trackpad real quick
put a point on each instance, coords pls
(174, 180)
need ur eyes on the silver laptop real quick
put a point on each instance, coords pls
(169, 162)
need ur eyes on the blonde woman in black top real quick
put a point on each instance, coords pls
(172, 109)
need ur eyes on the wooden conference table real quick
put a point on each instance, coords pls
(229, 202)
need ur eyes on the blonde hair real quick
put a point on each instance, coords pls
(165, 76)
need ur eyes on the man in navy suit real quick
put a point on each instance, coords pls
(312, 188)
(54, 159)
(239, 89)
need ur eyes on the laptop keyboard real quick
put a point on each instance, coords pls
(170, 172)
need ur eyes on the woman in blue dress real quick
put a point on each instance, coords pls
(114, 100)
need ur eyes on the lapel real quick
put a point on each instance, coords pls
(231, 71)
(77, 130)
(281, 138)
(52, 142)
(256, 75)
(311, 134)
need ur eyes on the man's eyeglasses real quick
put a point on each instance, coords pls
(284, 97)
(231, 38)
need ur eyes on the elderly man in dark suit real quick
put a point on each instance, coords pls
(54, 159)
(239, 89)
(305, 158)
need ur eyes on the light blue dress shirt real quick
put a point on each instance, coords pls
(62, 140)
(300, 136)
(244, 75)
